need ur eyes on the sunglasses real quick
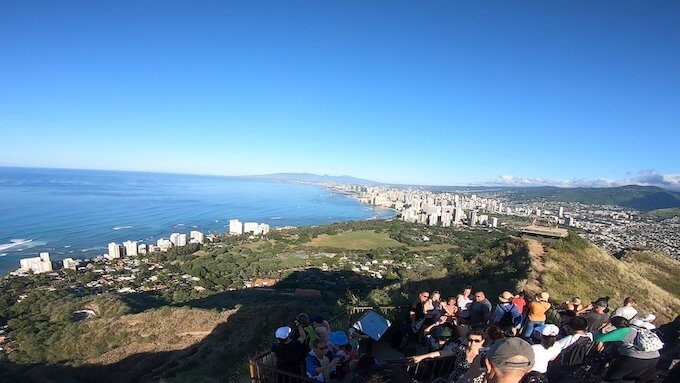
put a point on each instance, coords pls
(476, 340)
(322, 348)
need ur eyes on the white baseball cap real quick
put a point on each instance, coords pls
(548, 330)
(283, 332)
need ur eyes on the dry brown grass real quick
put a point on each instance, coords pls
(165, 329)
(594, 273)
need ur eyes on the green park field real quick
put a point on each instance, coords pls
(355, 240)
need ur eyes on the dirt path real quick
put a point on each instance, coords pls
(536, 251)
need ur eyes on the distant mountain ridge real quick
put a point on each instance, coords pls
(644, 198)
(315, 178)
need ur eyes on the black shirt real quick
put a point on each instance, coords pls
(289, 356)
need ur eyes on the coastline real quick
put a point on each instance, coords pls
(9, 260)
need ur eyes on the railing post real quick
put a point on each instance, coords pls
(252, 368)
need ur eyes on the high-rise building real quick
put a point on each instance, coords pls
(569, 221)
(262, 228)
(40, 264)
(130, 248)
(197, 235)
(249, 227)
(493, 222)
(174, 238)
(458, 215)
(433, 219)
(472, 219)
(141, 248)
(114, 251)
(182, 240)
(69, 263)
(235, 227)
(561, 212)
(164, 244)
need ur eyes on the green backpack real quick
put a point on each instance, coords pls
(552, 316)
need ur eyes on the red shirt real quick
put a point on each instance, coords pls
(520, 303)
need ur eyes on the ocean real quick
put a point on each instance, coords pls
(76, 213)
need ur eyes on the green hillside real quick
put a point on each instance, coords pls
(208, 337)
(643, 198)
(574, 267)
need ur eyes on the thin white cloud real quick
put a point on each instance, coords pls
(644, 178)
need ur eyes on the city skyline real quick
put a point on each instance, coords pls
(564, 94)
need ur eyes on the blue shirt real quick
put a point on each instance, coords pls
(503, 308)
(312, 362)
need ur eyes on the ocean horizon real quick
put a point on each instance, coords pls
(76, 213)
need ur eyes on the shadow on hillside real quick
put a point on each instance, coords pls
(250, 327)
(257, 313)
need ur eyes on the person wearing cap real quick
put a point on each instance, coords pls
(290, 353)
(597, 317)
(536, 313)
(574, 305)
(547, 350)
(648, 320)
(628, 310)
(508, 360)
(631, 363)
(344, 349)
(506, 307)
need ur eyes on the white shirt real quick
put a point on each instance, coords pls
(627, 312)
(569, 340)
(543, 356)
(463, 305)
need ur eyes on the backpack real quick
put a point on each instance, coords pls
(506, 320)
(576, 353)
(310, 336)
(647, 341)
(552, 316)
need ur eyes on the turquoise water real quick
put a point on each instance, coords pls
(75, 213)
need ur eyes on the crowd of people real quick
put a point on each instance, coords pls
(517, 338)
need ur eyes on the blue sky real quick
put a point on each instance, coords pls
(435, 92)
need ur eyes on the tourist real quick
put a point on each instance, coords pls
(321, 327)
(480, 312)
(450, 309)
(613, 324)
(321, 361)
(506, 315)
(304, 331)
(290, 353)
(344, 349)
(464, 301)
(597, 317)
(441, 346)
(433, 308)
(466, 356)
(628, 310)
(417, 311)
(494, 333)
(648, 320)
(573, 350)
(574, 305)
(547, 350)
(508, 360)
(536, 313)
(634, 359)
(520, 301)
